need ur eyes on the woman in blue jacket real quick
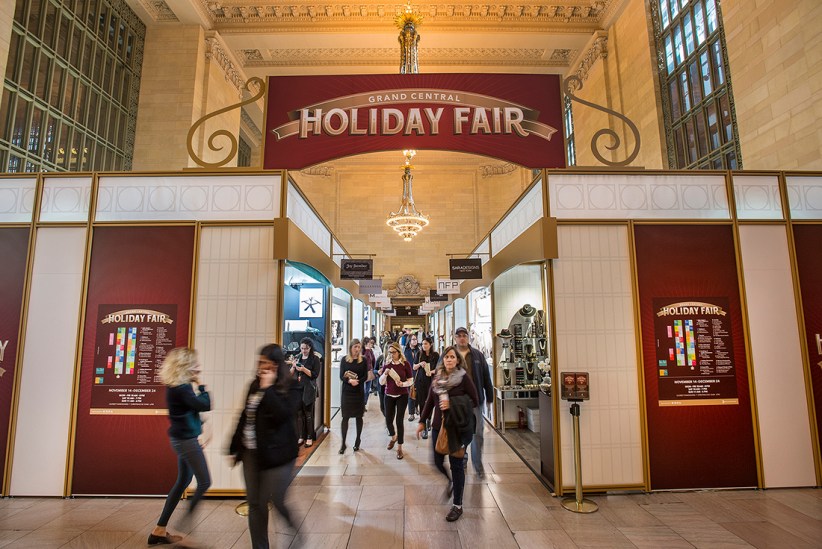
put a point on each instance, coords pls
(180, 373)
(266, 443)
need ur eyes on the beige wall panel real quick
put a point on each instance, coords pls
(775, 59)
(595, 333)
(784, 423)
(236, 313)
(171, 62)
(46, 382)
(6, 19)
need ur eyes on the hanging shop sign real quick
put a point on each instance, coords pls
(514, 117)
(694, 351)
(132, 342)
(466, 269)
(371, 287)
(446, 286)
(356, 269)
(378, 296)
(434, 296)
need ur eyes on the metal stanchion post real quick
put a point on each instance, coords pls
(578, 504)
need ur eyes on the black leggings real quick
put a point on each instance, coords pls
(395, 407)
(305, 421)
(358, 421)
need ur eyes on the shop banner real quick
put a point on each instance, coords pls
(513, 117)
(371, 288)
(137, 309)
(694, 358)
(132, 342)
(434, 296)
(466, 269)
(446, 286)
(356, 269)
(694, 351)
(14, 245)
(809, 263)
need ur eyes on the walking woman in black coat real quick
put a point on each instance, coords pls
(353, 374)
(265, 442)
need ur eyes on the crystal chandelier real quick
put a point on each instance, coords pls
(407, 221)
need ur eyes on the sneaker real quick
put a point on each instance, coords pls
(454, 514)
(425, 433)
(411, 417)
(300, 442)
(309, 443)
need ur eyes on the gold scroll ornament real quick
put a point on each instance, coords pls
(615, 140)
(222, 133)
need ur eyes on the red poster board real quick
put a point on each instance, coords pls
(808, 241)
(132, 268)
(707, 446)
(14, 244)
(694, 351)
(132, 342)
(513, 117)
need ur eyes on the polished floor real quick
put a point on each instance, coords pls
(371, 500)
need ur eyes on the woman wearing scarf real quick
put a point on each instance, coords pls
(450, 385)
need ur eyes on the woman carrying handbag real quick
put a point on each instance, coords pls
(450, 386)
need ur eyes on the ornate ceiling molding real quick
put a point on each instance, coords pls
(322, 171)
(301, 15)
(250, 126)
(598, 49)
(218, 52)
(526, 57)
(498, 169)
(159, 11)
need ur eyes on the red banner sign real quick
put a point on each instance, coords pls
(513, 117)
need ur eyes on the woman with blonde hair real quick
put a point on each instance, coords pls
(396, 375)
(180, 373)
(353, 374)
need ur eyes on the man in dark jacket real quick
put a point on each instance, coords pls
(477, 367)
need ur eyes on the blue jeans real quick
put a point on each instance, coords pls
(367, 385)
(190, 463)
(457, 469)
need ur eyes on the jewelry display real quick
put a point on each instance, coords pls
(524, 357)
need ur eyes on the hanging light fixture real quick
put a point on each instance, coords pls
(407, 221)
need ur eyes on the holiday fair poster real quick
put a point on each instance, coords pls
(694, 352)
(132, 342)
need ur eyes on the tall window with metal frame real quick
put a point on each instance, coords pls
(697, 97)
(69, 97)
(570, 144)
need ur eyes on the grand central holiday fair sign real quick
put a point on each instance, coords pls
(513, 117)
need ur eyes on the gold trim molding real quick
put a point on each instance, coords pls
(299, 15)
(531, 57)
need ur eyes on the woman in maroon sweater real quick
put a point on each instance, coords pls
(397, 376)
(450, 381)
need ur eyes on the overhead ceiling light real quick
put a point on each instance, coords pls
(408, 222)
